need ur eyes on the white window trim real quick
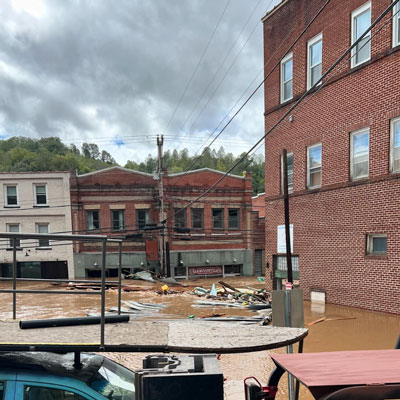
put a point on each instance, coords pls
(396, 23)
(290, 189)
(37, 231)
(352, 134)
(308, 166)
(35, 185)
(392, 122)
(310, 43)
(370, 243)
(6, 198)
(354, 15)
(283, 62)
(10, 243)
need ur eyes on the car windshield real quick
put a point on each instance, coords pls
(114, 381)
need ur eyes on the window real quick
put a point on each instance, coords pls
(233, 218)
(359, 154)
(360, 22)
(197, 218)
(40, 195)
(396, 25)
(43, 228)
(15, 229)
(395, 145)
(314, 60)
(42, 392)
(377, 244)
(218, 218)
(287, 78)
(92, 220)
(289, 172)
(118, 220)
(11, 196)
(142, 218)
(180, 217)
(314, 166)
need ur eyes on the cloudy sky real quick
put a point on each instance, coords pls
(119, 72)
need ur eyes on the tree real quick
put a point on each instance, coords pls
(107, 158)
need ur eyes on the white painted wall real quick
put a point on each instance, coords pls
(57, 214)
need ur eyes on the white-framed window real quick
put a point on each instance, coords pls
(40, 194)
(92, 220)
(218, 218)
(11, 195)
(142, 218)
(197, 218)
(118, 220)
(289, 173)
(360, 22)
(396, 25)
(14, 228)
(314, 166)
(395, 145)
(314, 60)
(377, 243)
(180, 217)
(233, 218)
(287, 78)
(359, 154)
(43, 228)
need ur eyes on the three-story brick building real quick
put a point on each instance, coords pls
(343, 145)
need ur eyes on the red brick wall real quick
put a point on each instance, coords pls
(331, 223)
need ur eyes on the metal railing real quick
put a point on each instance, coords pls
(14, 237)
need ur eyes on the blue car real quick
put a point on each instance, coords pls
(52, 376)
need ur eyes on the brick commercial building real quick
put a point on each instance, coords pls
(217, 235)
(343, 144)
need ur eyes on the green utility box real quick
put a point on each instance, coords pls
(296, 308)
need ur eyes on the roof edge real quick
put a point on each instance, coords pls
(132, 171)
(274, 10)
(203, 170)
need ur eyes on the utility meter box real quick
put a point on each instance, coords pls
(288, 302)
(194, 377)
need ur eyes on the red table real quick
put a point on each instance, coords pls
(371, 374)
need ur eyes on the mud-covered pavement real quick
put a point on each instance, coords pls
(343, 329)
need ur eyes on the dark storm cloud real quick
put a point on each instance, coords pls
(100, 70)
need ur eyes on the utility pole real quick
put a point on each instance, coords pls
(161, 241)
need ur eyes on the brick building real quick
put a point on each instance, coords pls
(213, 236)
(343, 145)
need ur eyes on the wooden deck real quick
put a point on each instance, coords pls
(185, 336)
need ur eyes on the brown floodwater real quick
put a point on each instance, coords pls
(343, 329)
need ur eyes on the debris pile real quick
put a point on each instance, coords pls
(229, 296)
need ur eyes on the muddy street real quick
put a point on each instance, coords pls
(331, 328)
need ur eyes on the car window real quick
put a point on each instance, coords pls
(49, 393)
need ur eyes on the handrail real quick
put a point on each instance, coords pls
(14, 236)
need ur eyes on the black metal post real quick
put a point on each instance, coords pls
(103, 291)
(287, 219)
(119, 276)
(14, 243)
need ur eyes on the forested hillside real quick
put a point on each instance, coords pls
(20, 154)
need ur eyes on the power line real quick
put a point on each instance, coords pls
(262, 82)
(198, 64)
(330, 69)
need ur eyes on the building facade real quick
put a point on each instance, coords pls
(343, 144)
(211, 236)
(37, 202)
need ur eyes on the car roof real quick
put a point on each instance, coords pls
(53, 363)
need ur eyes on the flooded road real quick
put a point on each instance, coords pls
(343, 329)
